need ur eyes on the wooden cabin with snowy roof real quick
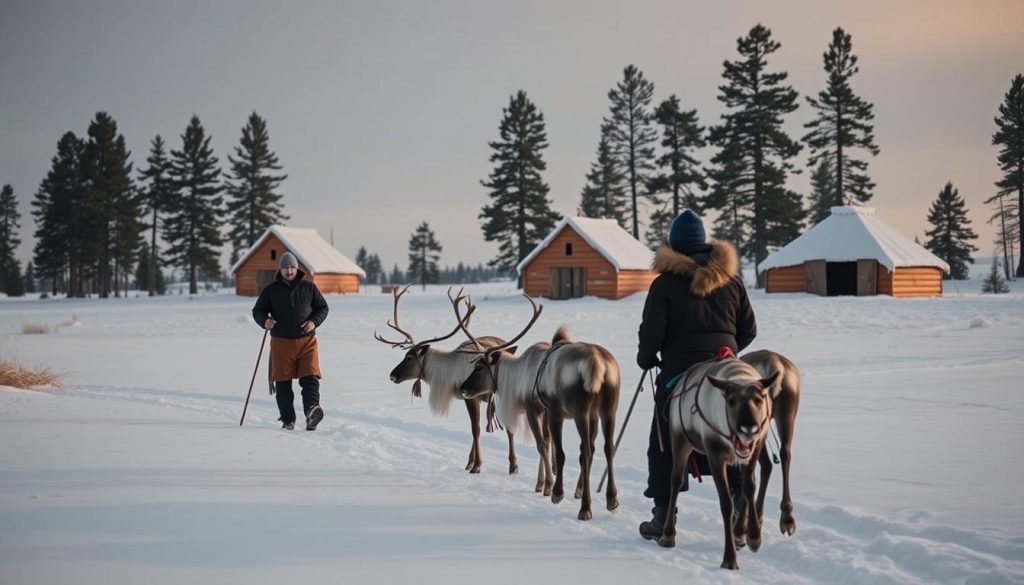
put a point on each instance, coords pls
(325, 266)
(585, 256)
(852, 252)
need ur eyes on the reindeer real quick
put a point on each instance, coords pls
(444, 372)
(555, 381)
(722, 409)
(785, 402)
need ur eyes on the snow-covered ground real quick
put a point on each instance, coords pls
(907, 457)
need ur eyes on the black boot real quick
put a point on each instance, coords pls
(653, 528)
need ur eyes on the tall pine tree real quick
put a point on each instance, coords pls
(192, 226)
(679, 174)
(951, 232)
(823, 193)
(424, 252)
(519, 214)
(604, 194)
(157, 195)
(374, 269)
(10, 222)
(253, 202)
(631, 135)
(30, 278)
(843, 123)
(1010, 139)
(59, 252)
(111, 208)
(753, 162)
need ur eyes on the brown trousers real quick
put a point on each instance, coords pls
(294, 358)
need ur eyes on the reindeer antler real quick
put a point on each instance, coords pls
(455, 301)
(464, 322)
(537, 309)
(409, 341)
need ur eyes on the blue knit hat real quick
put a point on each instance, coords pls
(687, 230)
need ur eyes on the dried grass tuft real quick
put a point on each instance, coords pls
(13, 374)
(35, 329)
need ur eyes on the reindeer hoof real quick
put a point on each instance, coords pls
(731, 565)
(740, 540)
(469, 466)
(539, 488)
(586, 515)
(513, 469)
(787, 526)
(613, 504)
(475, 469)
(754, 543)
(667, 541)
(547, 492)
(556, 498)
(577, 494)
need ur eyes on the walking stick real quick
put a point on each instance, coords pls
(251, 382)
(639, 387)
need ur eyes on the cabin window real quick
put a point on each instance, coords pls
(273, 254)
(568, 248)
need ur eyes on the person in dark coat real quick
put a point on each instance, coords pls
(697, 305)
(292, 308)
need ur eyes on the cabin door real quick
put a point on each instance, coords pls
(568, 283)
(815, 273)
(867, 278)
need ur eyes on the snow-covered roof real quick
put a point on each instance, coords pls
(607, 237)
(853, 233)
(312, 251)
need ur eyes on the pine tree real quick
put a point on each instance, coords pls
(604, 193)
(1010, 138)
(58, 213)
(157, 196)
(10, 223)
(253, 203)
(519, 214)
(397, 276)
(1007, 230)
(192, 226)
(631, 135)
(995, 283)
(679, 173)
(843, 123)
(374, 269)
(823, 190)
(30, 278)
(753, 160)
(424, 252)
(950, 236)
(112, 206)
(361, 258)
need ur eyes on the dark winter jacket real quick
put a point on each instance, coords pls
(290, 303)
(697, 305)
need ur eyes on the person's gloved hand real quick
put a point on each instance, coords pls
(308, 327)
(269, 324)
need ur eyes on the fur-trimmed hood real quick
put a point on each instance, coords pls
(720, 268)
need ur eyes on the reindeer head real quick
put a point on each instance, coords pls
(413, 363)
(748, 410)
(484, 378)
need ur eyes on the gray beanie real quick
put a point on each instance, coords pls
(288, 259)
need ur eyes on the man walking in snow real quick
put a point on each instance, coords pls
(695, 307)
(291, 308)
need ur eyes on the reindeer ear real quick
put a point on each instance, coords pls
(769, 382)
(719, 383)
(512, 350)
(493, 357)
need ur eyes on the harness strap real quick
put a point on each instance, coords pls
(537, 395)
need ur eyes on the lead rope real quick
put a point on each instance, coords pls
(492, 414)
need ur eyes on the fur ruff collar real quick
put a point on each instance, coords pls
(722, 267)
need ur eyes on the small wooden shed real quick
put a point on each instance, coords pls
(328, 268)
(852, 252)
(587, 256)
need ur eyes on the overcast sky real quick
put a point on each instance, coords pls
(381, 111)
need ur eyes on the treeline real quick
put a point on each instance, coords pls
(647, 166)
(100, 224)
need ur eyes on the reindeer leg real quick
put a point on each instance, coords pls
(786, 424)
(475, 459)
(543, 448)
(586, 457)
(555, 425)
(681, 450)
(739, 507)
(549, 455)
(513, 463)
(725, 503)
(609, 402)
(593, 448)
(765, 461)
(753, 519)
